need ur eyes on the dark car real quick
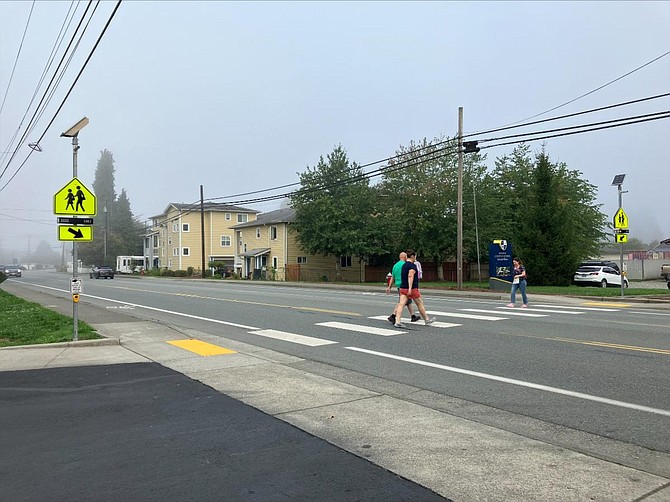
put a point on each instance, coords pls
(102, 272)
(12, 271)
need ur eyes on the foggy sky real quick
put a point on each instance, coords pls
(242, 96)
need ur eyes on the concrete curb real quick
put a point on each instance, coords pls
(79, 343)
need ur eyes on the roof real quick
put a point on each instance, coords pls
(207, 206)
(284, 215)
(255, 252)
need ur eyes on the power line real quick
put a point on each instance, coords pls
(68, 93)
(48, 91)
(602, 108)
(18, 54)
(667, 115)
(59, 40)
(583, 95)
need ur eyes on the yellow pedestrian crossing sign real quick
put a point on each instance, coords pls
(75, 233)
(620, 238)
(620, 219)
(75, 199)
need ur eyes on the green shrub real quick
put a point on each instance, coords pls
(189, 271)
(180, 273)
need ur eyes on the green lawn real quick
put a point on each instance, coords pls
(26, 323)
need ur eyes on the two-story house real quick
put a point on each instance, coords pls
(175, 241)
(267, 248)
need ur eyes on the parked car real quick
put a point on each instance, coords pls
(665, 271)
(601, 263)
(12, 270)
(102, 271)
(599, 276)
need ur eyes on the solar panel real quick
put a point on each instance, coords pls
(618, 179)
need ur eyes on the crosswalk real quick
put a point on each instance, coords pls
(466, 314)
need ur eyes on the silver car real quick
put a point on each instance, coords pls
(598, 276)
(12, 271)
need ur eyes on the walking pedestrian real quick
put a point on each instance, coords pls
(518, 282)
(397, 280)
(409, 290)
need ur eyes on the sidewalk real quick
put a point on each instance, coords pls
(403, 432)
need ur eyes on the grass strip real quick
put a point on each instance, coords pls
(27, 323)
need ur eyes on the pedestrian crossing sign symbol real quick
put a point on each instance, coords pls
(620, 219)
(621, 238)
(75, 199)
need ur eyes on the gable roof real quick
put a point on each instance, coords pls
(284, 215)
(207, 206)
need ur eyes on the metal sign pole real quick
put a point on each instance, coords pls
(621, 250)
(75, 261)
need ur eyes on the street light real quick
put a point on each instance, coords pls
(72, 132)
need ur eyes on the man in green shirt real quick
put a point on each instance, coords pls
(397, 279)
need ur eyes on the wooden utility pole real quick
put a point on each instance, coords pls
(202, 232)
(459, 244)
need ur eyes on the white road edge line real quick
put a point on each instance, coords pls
(190, 316)
(521, 383)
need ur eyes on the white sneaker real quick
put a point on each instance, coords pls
(430, 321)
(399, 325)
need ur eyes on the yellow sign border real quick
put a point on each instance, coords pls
(65, 235)
(59, 198)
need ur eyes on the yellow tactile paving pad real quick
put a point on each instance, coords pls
(603, 304)
(201, 348)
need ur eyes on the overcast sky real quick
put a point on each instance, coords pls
(242, 96)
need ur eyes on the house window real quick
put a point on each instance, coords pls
(302, 259)
(225, 241)
(169, 241)
(345, 261)
(273, 233)
(228, 216)
(155, 241)
(239, 242)
(185, 227)
(185, 251)
(242, 218)
(175, 228)
(275, 262)
(169, 263)
(175, 251)
(258, 232)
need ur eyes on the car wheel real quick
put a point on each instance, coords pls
(603, 283)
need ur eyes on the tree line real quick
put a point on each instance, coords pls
(545, 209)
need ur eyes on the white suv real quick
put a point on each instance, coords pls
(592, 275)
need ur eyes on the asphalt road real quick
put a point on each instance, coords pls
(144, 432)
(587, 366)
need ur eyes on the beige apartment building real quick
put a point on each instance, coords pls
(267, 249)
(175, 239)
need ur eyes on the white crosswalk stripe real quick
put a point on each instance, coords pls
(361, 328)
(436, 324)
(292, 337)
(569, 312)
(597, 309)
(511, 312)
(466, 316)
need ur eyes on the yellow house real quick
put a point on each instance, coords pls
(267, 249)
(176, 239)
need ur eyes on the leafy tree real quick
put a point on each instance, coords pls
(336, 210)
